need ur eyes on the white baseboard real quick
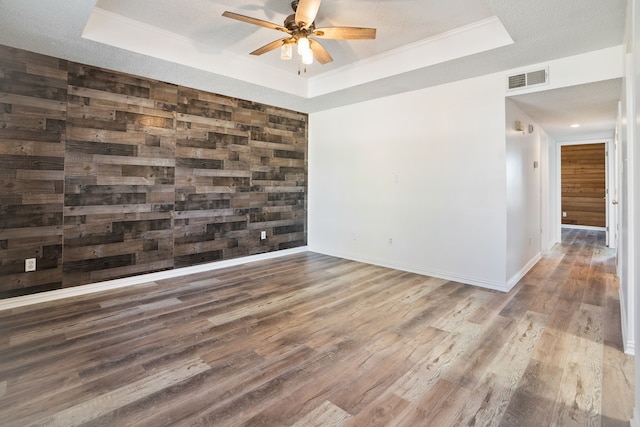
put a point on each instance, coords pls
(58, 294)
(520, 274)
(497, 286)
(630, 347)
(584, 227)
(628, 340)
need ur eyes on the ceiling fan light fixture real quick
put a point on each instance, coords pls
(286, 52)
(307, 58)
(303, 46)
(300, 26)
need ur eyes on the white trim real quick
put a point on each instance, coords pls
(628, 341)
(584, 227)
(635, 421)
(629, 347)
(497, 286)
(58, 294)
(520, 274)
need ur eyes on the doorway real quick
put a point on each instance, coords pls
(583, 185)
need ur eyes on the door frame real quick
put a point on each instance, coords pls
(609, 169)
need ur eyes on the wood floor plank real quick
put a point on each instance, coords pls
(421, 377)
(616, 405)
(313, 340)
(469, 368)
(382, 411)
(326, 414)
(442, 403)
(531, 403)
(579, 400)
(487, 404)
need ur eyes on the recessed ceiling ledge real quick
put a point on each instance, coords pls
(478, 37)
(129, 34)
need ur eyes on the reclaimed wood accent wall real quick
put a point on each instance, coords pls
(119, 176)
(106, 175)
(584, 184)
(241, 170)
(33, 103)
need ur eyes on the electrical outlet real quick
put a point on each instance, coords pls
(263, 235)
(390, 241)
(564, 214)
(30, 264)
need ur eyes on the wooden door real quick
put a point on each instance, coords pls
(584, 186)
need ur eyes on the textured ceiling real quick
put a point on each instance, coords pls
(405, 56)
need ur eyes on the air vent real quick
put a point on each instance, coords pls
(533, 78)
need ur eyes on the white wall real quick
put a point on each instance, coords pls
(635, 193)
(626, 246)
(550, 216)
(523, 193)
(425, 169)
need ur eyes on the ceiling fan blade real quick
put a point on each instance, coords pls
(319, 52)
(306, 12)
(269, 47)
(345, 33)
(254, 21)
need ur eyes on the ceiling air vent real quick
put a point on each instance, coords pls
(533, 78)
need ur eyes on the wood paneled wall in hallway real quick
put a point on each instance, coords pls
(584, 184)
(153, 176)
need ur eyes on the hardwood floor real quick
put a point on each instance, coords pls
(311, 340)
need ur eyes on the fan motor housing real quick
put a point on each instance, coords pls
(290, 22)
(291, 25)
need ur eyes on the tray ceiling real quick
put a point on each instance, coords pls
(419, 43)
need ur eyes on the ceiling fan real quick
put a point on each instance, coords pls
(300, 26)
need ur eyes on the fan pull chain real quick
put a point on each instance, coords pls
(303, 68)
